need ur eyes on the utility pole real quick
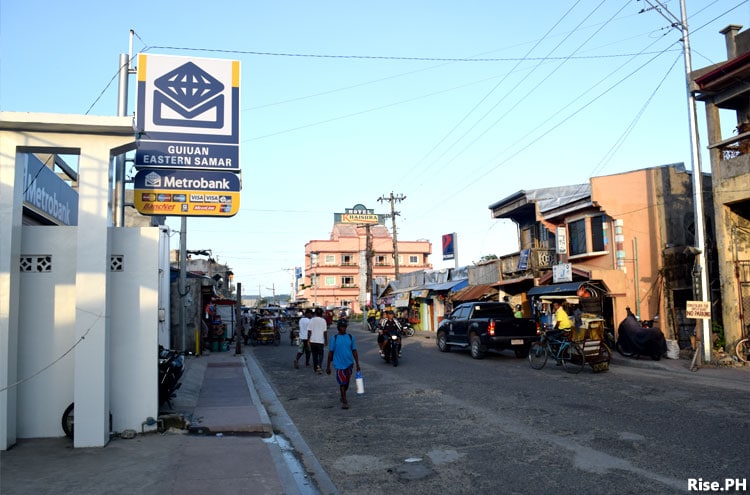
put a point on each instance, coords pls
(700, 269)
(182, 286)
(393, 199)
(293, 271)
(368, 265)
(238, 321)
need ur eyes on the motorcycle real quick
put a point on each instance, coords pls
(372, 324)
(406, 329)
(171, 368)
(392, 349)
(635, 339)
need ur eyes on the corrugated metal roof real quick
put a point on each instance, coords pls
(452, 285)
(475, 293)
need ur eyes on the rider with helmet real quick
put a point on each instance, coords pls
(387, 327)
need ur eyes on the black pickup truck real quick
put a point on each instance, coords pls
(486, 325)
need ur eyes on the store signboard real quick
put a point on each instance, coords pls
(562, 240)
(562, 273)
(449, 246)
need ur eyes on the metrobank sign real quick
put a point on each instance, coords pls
(187, 134)
(186, 193)
(188, 113)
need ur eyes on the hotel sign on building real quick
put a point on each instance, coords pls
(358, 214)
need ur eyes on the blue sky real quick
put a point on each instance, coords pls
(453, 104)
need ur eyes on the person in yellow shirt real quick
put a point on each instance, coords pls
(563, 325)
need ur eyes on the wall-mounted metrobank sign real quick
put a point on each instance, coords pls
(47, 195)
(187, 114)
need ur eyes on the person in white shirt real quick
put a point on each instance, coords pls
(317, 334)
(304, 344)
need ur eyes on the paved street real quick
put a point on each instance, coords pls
(445, 423)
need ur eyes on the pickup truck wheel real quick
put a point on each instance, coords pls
(442, 342)
(477, 352)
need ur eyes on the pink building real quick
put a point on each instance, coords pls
(343, 270)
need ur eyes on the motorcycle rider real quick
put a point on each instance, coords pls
(372, 315)
(389, 326)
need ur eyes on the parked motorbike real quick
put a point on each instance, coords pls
(171, 368)
(406, 329)
(635, 339)
(392, 349)
(68, 421)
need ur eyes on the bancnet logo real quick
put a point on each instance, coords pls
(731, 485)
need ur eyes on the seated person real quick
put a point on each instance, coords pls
(563, 325)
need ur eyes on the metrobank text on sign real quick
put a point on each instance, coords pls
(186, 193)
(187, 114)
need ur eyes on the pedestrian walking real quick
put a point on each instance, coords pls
(304, 343)
(342, 352)
(317, 335)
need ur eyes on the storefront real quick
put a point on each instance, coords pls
(431, 303)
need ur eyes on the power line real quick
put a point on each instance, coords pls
(377, 57)
(528, 93)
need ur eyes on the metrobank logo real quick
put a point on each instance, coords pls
(188, 96)
(186, 99)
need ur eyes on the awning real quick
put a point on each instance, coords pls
(475, 293)
(406, 290)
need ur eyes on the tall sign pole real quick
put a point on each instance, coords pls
(182, 286)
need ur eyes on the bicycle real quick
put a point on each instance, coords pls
(742, 350)
(562, 350)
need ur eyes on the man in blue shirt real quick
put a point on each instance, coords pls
(342, 351)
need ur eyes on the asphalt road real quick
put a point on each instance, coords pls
(446, 423)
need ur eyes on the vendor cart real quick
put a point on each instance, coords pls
(265, 331)
(593, 336)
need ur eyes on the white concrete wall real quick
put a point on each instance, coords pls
(133, 301)
(165, 321)
(46, 330)
(47, 323)
(11, 200)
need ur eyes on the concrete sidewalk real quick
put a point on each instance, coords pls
(232, 448)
